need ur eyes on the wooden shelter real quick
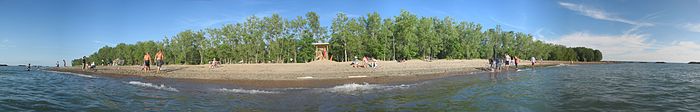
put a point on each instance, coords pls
(321, 51)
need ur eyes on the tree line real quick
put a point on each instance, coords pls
(275, 39)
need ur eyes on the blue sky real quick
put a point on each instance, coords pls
(44, 31)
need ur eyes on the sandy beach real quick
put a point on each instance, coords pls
(312, 74)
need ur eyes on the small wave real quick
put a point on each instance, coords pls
(560, 65)
(247, 91)
(161, 87)
(354, 87)
(76, 74)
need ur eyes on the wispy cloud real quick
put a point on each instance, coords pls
(601, 14)
(694, 27)
(632, 44)
(506, 24)
(538, 33)
(205, 22)
(211, 21)
(101, 43)
(5, 43)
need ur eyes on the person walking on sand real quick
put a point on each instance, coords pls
(355, 63)
(147, 62)
(64, 63)
(159, 60)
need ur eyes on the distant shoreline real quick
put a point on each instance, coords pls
(313, 74)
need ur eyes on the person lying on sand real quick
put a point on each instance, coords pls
(373, 63)
(354, 62)
(365, 62)
(92, 65)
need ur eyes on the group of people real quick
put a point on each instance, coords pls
(147, 61)
(146, 65)
(366, 62)
(496, 64)
(58, 64)
(87, 65)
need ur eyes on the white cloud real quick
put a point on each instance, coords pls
(679, 51)
(631, 45)
(600, 14)
(608, 44)
(634, 47)
(692, 27)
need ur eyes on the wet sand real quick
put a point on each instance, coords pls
(312, 74)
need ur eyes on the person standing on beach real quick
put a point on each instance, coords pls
(84, 62)
(533, 60)
(64, 63)
(147, 62)
(159, 60)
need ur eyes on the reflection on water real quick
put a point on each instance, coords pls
(610, 87)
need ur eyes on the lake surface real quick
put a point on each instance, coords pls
(605, 87)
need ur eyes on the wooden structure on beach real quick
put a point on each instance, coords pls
(321, 51)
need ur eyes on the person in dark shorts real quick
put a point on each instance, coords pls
(159, 59)
(507, 61)
(147, 62)
(84, 62)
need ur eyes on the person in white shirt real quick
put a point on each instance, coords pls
(533, 60)
(507, 61)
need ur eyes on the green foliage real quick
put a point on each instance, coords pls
(275, 39)
(587, 54)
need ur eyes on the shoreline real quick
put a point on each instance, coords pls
(312, 74)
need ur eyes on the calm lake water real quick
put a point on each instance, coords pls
(606, 87)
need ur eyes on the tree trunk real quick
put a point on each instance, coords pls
(345, 51)
(295, 53)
